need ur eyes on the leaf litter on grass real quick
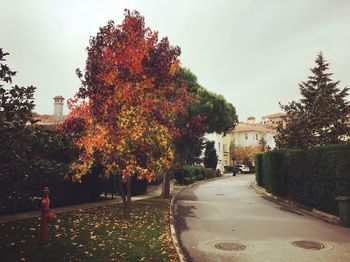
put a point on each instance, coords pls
(83, 235)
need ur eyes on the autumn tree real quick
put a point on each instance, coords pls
(320, 117)
(129, 101)
(244, 154)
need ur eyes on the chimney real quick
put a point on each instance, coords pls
(58, 109)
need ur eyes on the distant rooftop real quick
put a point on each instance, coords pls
(275, 115)
(242, 127)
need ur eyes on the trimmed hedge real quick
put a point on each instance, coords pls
(313, 177)
(189, 174)
(258, 167)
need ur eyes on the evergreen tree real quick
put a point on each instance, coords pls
(207, 113)
(262, 144)
(210, 156)
(319, 118)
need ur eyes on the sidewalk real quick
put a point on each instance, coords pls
(152, 191)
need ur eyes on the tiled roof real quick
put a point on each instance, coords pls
(243, 127)
(275, 115)
(47, 119)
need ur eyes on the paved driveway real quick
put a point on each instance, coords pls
(226, 220)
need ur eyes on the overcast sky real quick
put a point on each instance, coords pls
(254, 53)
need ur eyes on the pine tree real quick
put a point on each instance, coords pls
(319, 118)
(210, 156)
(262, 144)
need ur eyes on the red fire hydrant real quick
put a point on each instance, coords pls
(46, 216)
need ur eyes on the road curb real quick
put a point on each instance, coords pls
(331, 219)
(173, 232)
(178, 249)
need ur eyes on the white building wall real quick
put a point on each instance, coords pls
(239, 138)
(218, 139)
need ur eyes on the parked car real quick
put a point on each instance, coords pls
(242, 169)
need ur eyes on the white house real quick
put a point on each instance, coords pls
(219, 147)
(249, 133)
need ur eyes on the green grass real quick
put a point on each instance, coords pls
(98, 234)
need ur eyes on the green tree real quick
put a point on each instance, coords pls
(319, 118)
(16, 104)
(262, 144)
(30, 156)
(208, 113)
(210, 156)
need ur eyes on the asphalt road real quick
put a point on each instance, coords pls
(252, 229)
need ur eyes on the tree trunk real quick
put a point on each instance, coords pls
(128, 201)
(126, 207)
(166, 186)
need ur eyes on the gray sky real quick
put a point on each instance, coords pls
(254, 53)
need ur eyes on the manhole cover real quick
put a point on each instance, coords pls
(230, 246)
(308, 244)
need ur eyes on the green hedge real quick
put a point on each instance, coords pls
(258, 167)
(189, 174)
(313, 177)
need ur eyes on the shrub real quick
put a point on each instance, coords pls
(189, 174)
(258, 165)
(187, 181)
(313, 177)
(199, 177)
(228, 169)
(180, 175)
(210, 173)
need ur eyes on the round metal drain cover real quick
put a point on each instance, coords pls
(308, 244)
(230, 246)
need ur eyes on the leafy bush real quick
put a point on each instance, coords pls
(189, 174)
(210, 173)
(313, 177)
(228, 169)
(43, 160)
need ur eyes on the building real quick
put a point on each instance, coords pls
(52, 120)
(249, 133)
(272, 120)
(219, 147)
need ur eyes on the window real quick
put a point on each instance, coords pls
(246, 136)
(256, 136)
(224, 147)
(219, 147)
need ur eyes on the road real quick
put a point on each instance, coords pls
(226, 220)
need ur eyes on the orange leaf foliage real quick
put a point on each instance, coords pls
(134, 99)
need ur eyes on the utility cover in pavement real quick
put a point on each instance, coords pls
(230, 246)
(308, 244)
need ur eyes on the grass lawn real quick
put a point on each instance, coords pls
(98, 234)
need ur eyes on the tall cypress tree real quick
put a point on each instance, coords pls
(319, 118)
(210, 156)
